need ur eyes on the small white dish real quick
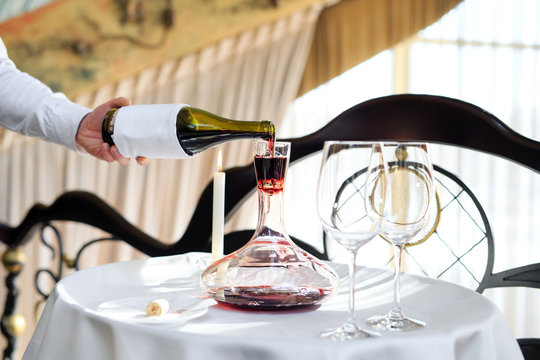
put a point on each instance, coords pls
(182, 308)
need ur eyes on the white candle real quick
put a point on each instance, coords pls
(218, 213)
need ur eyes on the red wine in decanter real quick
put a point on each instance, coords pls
(270, 173)
(270, 298)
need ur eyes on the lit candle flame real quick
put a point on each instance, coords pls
(219, 161)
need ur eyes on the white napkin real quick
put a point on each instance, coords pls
(148, 130)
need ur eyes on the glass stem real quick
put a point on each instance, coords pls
(352, 276)
(396, 313)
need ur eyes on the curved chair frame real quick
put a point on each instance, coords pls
(409, 117)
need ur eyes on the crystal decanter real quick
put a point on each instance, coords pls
(270, 272)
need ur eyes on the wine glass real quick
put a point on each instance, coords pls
(351, 172)
(409, 191)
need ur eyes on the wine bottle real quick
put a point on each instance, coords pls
(174, 130)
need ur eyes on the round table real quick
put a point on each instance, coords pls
(461, 324)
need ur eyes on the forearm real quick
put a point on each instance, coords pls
(29, 107)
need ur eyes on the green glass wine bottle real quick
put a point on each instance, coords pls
(174, 130)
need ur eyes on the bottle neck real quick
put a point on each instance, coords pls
(198, 130)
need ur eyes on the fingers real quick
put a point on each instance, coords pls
(106, 153)
(118, 102)
(112, 154)
(141, 160)
(102, 109)
(118, 157)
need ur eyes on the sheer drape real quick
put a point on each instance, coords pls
(488, 53)
(252, 76)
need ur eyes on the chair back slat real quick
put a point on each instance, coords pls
(426, 118)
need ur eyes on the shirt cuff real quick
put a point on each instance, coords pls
(66, 116)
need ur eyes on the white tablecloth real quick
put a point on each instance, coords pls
(461, 323)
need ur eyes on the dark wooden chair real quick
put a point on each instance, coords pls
(424, 118)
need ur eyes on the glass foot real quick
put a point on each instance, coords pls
(347, 331)
(389, 323)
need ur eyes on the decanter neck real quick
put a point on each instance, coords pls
(271, 220)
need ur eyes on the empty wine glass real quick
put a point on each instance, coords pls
(351, 172)
(409, 191)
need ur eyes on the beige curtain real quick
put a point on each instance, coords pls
(251, 76)
(354, 30)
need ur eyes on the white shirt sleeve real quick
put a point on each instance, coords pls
(29, 107)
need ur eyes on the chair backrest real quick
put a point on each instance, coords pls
(431, 119)
(425, 118)
(446, 121)
(409, 117)
(441, 120)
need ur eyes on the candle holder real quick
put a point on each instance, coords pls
(270, 272)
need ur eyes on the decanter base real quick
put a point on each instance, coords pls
(268, 297)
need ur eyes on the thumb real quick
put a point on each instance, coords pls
(118, 102)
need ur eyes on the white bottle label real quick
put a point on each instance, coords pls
(148, 130)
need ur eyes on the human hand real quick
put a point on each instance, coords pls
(88, 138)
